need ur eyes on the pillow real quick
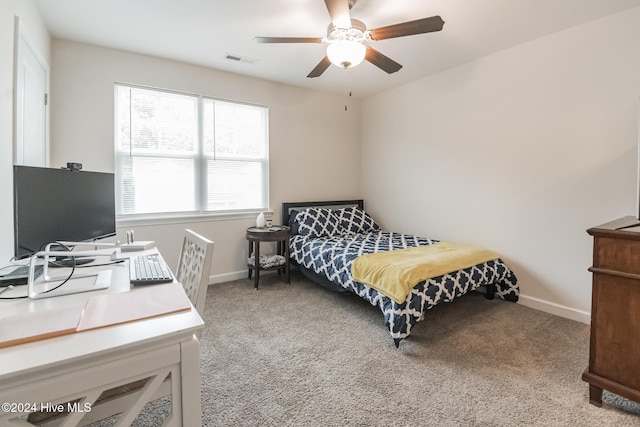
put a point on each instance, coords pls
(354, 220)
(292, 223)
(267, 261)
(317, 222)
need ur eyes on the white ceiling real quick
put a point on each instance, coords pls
(203, 32)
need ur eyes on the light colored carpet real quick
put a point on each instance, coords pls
(300, 355)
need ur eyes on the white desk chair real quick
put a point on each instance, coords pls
(194, 267)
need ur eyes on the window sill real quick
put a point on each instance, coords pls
(164, 219)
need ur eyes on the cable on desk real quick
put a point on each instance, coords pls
(73, 269)
(101, 265)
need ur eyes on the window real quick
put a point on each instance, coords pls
(183, 154)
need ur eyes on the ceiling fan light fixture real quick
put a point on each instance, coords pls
(346, 53)
(348, 39)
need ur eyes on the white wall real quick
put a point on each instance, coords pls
(520, 151)
(314, 144)
(35, 31)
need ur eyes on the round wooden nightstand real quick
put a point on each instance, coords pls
(275, 233)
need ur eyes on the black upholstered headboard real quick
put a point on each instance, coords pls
(288, 207)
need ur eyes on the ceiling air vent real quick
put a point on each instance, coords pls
(238, 58)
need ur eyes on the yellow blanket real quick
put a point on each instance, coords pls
(394, 273)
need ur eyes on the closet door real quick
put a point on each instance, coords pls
(31, 136)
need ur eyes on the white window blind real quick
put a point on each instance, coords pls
(182, 153)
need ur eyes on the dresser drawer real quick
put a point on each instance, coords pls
(619, 255)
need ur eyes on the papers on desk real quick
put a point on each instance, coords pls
(137, 304)
(99, 312)
(29, 327)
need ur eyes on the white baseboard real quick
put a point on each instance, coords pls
(228, 277)
(557, 309)
(236, 275)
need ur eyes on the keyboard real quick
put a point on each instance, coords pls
(148, 270)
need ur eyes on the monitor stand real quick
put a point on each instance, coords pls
(66, 261)
(102, 281)
(70, 261)
(46, 284)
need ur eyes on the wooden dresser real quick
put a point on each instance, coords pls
(614, 355)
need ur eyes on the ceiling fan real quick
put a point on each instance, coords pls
(348, 38)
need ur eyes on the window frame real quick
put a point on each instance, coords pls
(200, 166)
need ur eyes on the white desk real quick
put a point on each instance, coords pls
(81, 365)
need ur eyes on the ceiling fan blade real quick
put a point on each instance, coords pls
(419, 26)
(320, 68)
(381, 61)
(288, 39)
(339, 12)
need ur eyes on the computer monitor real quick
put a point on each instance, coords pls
(53, 205)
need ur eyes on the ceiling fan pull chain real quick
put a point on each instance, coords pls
(347, 87)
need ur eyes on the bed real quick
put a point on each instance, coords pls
(337, 243)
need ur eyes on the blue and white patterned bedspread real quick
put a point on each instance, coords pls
(332, 257)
